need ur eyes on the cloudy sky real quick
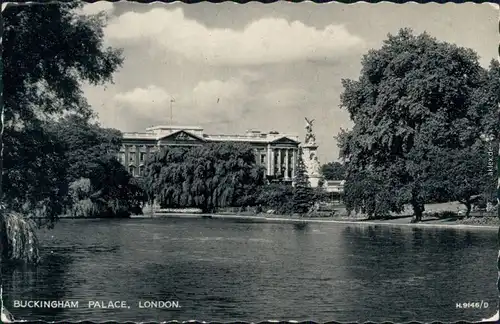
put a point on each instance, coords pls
(233, 67)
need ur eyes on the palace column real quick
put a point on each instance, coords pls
(272, 162)
(294, 162)
(279, 161)
(287, 162)
(137, 159)
(126, 162)
(144, 149)
(268, 159)
(142, 162)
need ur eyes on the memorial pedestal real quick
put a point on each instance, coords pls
(311, 162)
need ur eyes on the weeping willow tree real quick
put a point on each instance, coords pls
(207, 177)
(19, 237)
(48, 50)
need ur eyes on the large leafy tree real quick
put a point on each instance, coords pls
(86, 146)
(415, 97)
(368, 192)
(207, 177)
(333, 171)
(486, 99)
(35, 171)
(48, 51)
(90, 152)
(462, 175)
(116, 192)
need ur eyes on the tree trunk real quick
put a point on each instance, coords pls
(4, 248)
(151, 205)
(468, 205)
(418, 209)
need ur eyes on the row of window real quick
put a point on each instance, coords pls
(283, 172)
(142, 157)
(139, 171)
(283, 160)
(132, 156)
(133, 170)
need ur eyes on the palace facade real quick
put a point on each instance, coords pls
(276, 151)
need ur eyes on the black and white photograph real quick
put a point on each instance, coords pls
(249, 162)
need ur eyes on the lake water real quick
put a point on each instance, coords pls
(220, 270)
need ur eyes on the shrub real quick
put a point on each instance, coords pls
(85, 208)
(80, 189)
(276, 196)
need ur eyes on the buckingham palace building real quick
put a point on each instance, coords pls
(277, 152)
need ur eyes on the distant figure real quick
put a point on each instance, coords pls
(489, 206)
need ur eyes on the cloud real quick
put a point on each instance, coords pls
(98, 7)
(142, 104)
(211, 103)
(267, 40)
(218, 101)
(212, 100)
(286, 97)
(206, 93)
(140, 96)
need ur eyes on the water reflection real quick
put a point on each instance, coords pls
(232, 271)
(436, 268)
(301, 226)
(44, 282)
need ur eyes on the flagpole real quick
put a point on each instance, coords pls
(171, 113)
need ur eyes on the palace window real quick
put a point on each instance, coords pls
(142, 156)
(131, 170)
(263, 159)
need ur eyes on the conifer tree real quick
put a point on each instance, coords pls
(303, 193)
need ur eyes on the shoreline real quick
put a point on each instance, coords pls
(290, 220)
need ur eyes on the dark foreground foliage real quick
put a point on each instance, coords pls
(48, 52)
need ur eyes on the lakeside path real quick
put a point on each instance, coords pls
(401, 221)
